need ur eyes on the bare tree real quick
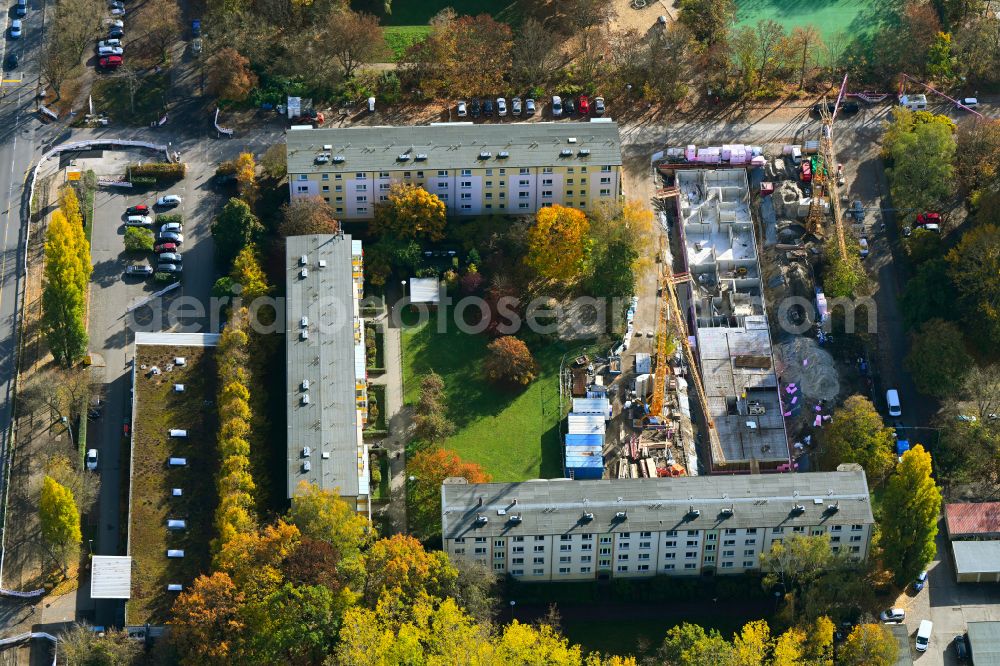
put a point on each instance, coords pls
(130, 78)
(534, 55)
(66, 393)
(354, 39)
(78, 23)
(161, 21)
(57, 62)
(982, 388)
(806, 41)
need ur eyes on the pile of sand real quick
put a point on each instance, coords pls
(803, 362)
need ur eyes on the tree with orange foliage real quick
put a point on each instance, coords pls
(230, 76)
(399, 566)
(246, 178)
(510, 362)
(206, 620)
(410, 212)
(429, 468)
(558, 244)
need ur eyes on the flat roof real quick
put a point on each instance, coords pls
(555, 506)
(451, 145)
(972, 518)
(323, 349)
(111, 577)
(976, 556)
(424, 290)
(984, 642)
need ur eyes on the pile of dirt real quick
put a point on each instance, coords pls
(801, 361)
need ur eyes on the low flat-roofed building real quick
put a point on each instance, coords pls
(972, 520)
(984, 642)
(560, 529)
(326, 378)
(976, 561)
(111, 577)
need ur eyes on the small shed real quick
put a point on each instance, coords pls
(111, 577)
(984, 642)
(585, 424)
(976, 561)
(600, 406)
(972, 520)
(424, 290)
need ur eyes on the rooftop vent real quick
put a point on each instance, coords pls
(304, 273)
(832, 508)
(502, 155)
(305, 399)
(304, 321)
(403, 158)
(485, 155)
(621, 515)
(571, 139)
(798, 510)
(565, 152)
(322, 263)
(322, 158)
(727, 512)
(325, 455)
(338, 159)
(421, 157)
(305, 384)
(306, 466)
(514, 519)
(586, 517)
(481, 519)
(693, 513)
(306, 451)
(584, 152)
(304, 334)
(303, 260)
(327, 147)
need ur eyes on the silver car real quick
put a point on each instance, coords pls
(138, 221)
(175, 227)
(169, 258)
(515, 106)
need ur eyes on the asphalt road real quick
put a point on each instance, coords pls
(17, 145)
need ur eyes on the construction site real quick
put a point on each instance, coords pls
(737, 380)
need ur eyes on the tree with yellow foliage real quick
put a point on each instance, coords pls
(67, 274)
(246, 178)
(410, 212)
(248, 273)
(869, 645)
(322, 515)
(559, 244)
(60, 521)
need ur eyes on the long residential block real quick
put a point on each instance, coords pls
(326, 389)
(512, 168)
(553, 530)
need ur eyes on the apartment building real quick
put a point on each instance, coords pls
(326, 379)
(489, 169)
(631, 528)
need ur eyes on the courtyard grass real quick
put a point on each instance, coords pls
(513, 434)
(420, 12)
(401, 37)
(158, 409)
(837, 21)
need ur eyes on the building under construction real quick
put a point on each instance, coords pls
(730, 326)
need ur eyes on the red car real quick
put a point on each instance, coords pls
(806, 171)
(583, 106)
(111, 62)
(141, 209)
(165, 247)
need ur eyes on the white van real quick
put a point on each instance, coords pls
(914, 102)
(892, 400)
(924, 635)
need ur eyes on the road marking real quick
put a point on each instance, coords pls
(11, 80)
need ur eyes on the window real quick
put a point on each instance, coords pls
(623, 557)
(583, 181)
(836, 528)
(583, 193)
(339, 209)
(645, 535)
(564, 570)
(855, 549)
(587, 546)
(606, 180)
(489, 195)
(362, 198)
(466, 184)
(517, 560)
(522, 183)
(538, 572)
(709, 559)
(605, 563)
(383, 197)
(727, 565)
(691, 565)
(817, 532)
(692, 543)
(489, 206)
(524, 205)
(625, 535)
(751, 530)
(499, 555)
(503, 172)
(709, 547)
(518, 549)
(835, 539)
(517, 572)
(326, 188)
(643, 567)
(546, 193)
(326, 199)
(584, 569)
(778, 530)
(539, 560)
(670, 544)
(360, 176)
(711, 537)
(565, 547)
(523, 195)
(489, 172)
(748, 564)
(442, 185)
(730, 531)
(835, 549)
(606, 169)
(749, 542)
(303, 176)
(857, 528)
(480, 539)
(466, 172)
(690, 555)
(498, 566)
(539, 538)
(480, 550)
(622, 567)
(570, 170)
(605, 550)
(728, 553)
(583, 204)
(443, 197)
(546, 181)
(338, 177)
(623, 546)
(302, 188)
(489, 183)
(406, 174)
(729, 542)
(643, 556)
(420, 174)
(460, 551)
(748, 553)
(798, 529)
(503, 195)
(466, 206)
(338, 188)
(384, 186)
(585, 558)
(519, 538)
(546, 169)
(692, 533)
(670, 556)
(671, 533)
(669, 567)
(524, 171)
(569, 181)
(856, 539)
(466, 195)
(539, 549)
(645, 544)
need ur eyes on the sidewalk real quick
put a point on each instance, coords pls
(399, 421)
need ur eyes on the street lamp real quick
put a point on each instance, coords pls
(403, 284)
(512, 603)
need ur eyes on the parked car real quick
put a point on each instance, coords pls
(92, 459)
(529, 107)
(139, 269)
(818, 108)
(893, 615)
(969, 102)
(21, 9)
(118, 11)
(140, 209)
(501, 107)
(168, 268)
(138, 221)
(858, 211)
(115, 23)
(863, 247)
(114, 32)
(475, 109)
(110, 42)
(15, 29)
(176, 227)
(924, 632)
(929, 221)
(165, 247)
(569, 107)
(896, 409)
(515, 106)
(961, 647)
(966, 418)
(488, 108)
(10, 62)
(557, 107)
(168, 201)
(584, 105)
(110, 51)
(111, 62)
(598, 106)
(921, 580)
(169, 258)
(170, 237)
(462, 110)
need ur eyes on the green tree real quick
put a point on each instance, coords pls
(688, 645)
(248, 273)
(60, 520)
(67, 274)
(293, 625)
(234, 228)
(974, 268)
(410, 212)
(910, 511)
(138, 239)
(857, 434)
(708, 20)
(322, 515)
(940, 62)
(844, 276)
(929, 294)
(798, 562)
(612, 276)
(869, 645)
(937, 359)
(921, 147)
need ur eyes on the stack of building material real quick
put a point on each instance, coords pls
(600, 406)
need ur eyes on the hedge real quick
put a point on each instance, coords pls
(161, 171)
(142, 180)
(169, 217)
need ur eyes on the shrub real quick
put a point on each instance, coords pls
(142, 180)
(160, 171)
(510, 361)
(169, 217)
(163, 277)
(138, 239)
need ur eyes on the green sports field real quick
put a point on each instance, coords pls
(838, 21)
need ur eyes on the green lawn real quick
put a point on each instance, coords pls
(514, 435)
(400, 37)
(420, 12)
(835, 19)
